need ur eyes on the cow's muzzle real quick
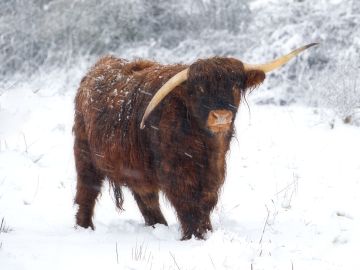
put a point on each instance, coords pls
(219, 121)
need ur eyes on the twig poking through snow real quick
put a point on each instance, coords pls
(263, 231)
(174, 260)
(117, 253)
(26, 146)
(212, 262)
(3, 227)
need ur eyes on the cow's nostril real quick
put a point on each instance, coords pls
(216, 114)
(221, 116)
(227, 116)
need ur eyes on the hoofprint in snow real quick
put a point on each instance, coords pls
(290, 200)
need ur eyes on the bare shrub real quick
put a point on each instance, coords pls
(53, 33)
(340, 92)
(4, 228)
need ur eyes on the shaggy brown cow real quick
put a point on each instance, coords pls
(181, 149)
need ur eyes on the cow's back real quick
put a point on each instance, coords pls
(107, 105)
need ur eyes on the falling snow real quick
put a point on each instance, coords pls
(291, 195)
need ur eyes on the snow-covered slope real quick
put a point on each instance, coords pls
(290, 201)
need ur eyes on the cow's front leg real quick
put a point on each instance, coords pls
(192, 193)
(193, 216)
(194, 222)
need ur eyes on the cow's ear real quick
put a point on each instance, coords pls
(254, 78)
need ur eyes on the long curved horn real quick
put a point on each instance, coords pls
(163, 91)
(278, 62)
(183, 75)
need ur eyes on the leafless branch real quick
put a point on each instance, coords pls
(117, 253)
(174, 260)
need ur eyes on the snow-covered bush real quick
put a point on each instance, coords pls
(53, 33)
(341, 93)
(280, 26)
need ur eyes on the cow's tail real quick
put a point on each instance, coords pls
(118, 195)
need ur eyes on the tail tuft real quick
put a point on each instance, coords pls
(118, 195)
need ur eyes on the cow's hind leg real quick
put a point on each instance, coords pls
(89, 182)
(150, 209)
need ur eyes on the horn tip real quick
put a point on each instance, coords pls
(312, 44)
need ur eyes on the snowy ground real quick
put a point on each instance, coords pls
(291, 199)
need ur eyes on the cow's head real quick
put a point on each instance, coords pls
(214, 88)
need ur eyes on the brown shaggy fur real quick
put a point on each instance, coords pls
(176, 153)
